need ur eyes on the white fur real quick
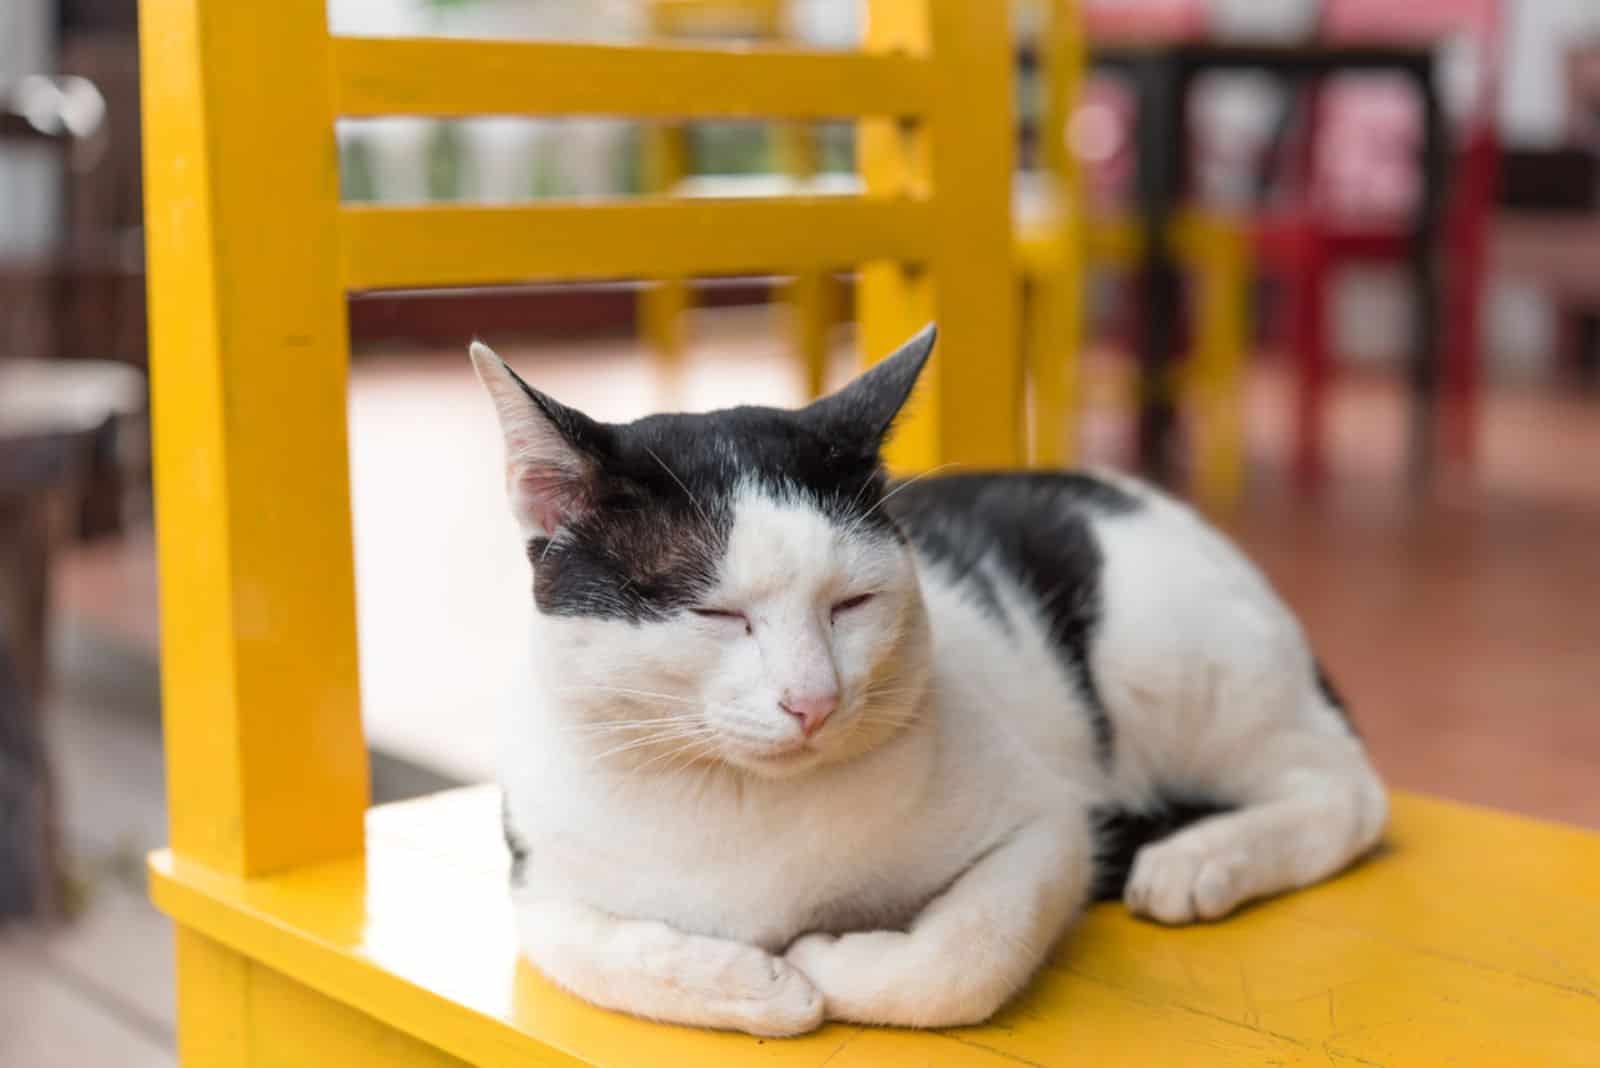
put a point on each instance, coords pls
(686, 878)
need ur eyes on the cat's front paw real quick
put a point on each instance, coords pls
(765, 995)
(872, 977)
(1175, 882)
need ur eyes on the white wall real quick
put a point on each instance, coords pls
(1532, 106)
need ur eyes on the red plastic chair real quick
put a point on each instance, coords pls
(1358, 188)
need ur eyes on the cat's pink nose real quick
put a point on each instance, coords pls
(812, 710)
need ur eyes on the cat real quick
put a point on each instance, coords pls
(815, 745)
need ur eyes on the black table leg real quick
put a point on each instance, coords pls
(1161, 84)
(1425, 270)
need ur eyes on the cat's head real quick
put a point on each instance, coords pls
(721, 587)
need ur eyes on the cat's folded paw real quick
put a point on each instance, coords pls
(862, 979)
(1173, 882)
(766, 995)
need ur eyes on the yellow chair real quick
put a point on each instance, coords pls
(1063, 239)
(311, 931)
(1060, 240)
(251, 256)
(811, 297)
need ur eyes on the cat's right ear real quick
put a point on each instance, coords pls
(552, 451)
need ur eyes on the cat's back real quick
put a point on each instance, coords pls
(1080, 593)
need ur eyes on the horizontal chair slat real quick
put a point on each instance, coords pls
(427, 76)
(429, 247)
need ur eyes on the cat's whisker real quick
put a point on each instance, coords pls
(617, 726)
(674, 476)
(625, 691)
(655, 738)
(690, 749)
(907, 484)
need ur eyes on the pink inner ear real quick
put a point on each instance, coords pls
(546, 497)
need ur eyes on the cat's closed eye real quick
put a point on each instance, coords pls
(848, 603)
(723, 615)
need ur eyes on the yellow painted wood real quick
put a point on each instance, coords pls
(968, 409)
(1216, 372)
(292, 1026)
(978, 403)
(1056, 250)
(663, 307)
(684, 18)
(411, 76)
(810, 298)
(1468, 940)
(1055, 280)
(266, 768)
(213, 996)
(235, 1011)
(387, 247)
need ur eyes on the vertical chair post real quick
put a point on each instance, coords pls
(663, 305)
(969, 409)
(1056, 322)
(266, 765)
(1221, 339)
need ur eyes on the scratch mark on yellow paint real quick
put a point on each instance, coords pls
(857, 1033)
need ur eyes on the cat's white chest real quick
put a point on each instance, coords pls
(758, 864)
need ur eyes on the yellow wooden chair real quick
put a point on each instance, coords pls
(311, 931)
(1060, 240)
(306, 932)
(811, 298)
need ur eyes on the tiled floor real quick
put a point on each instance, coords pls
(1463, 627)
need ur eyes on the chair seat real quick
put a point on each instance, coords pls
(1470, 939)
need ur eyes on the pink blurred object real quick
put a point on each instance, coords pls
(1358, 188)
(1131, 20)
(1101, 133)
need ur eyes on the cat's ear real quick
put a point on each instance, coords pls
(552, 452)
(868, 407)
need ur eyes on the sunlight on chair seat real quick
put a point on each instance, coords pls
(1429, 952)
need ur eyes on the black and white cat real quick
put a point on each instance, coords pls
(815, 745)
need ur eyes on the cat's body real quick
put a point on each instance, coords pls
(1026, 674)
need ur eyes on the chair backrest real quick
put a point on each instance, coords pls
(1474, 28)
(251, 256)
(1367, 133)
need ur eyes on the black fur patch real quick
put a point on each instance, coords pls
(1120, 833)
(655, 497)
(663, 507)
(515, 845)
(1034, 528)
(1330, 693)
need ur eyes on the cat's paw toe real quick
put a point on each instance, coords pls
(767, 995)
(1174, 883)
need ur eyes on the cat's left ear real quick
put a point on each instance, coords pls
(553, 453)
(869, 406)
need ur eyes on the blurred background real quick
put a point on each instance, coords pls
(1414, 390)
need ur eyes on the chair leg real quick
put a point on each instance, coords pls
(1221, 343)
(1052, 343)
(663, 311)
(811, 313)
(663, 306)
(1312, 354)
(1463, 352)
